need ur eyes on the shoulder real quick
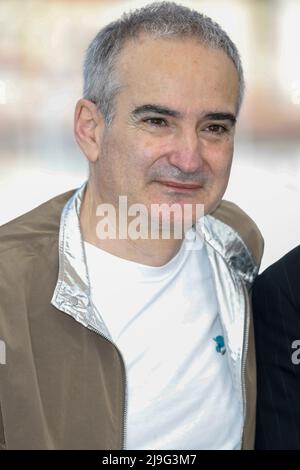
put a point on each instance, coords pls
(29, 246)
(234, 217)
(282, 275)
(31, 228)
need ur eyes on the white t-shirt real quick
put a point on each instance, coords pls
(164, 320)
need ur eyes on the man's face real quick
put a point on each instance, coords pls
(171, 140)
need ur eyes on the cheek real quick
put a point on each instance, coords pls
(224, 168)
(143, 153)
(220, 160)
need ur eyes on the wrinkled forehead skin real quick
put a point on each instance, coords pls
(183, 72)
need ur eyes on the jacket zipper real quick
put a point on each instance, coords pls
(244, 351)
(244, 354)
(124, 383)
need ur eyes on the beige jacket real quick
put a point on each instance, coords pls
(63, 385)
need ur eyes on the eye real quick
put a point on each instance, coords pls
(156, 122)
(217, 129)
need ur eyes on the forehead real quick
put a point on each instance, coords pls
(181, 71)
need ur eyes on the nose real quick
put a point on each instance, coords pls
(187, 155)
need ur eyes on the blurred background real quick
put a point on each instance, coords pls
(42, 43)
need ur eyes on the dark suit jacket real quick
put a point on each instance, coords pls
(276, 305)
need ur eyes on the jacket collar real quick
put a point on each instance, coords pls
(72, 291)
(228, 243)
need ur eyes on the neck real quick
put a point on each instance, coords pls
(152, 252)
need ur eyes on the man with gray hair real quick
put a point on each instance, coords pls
(118, 337)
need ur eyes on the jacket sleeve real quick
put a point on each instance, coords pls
(276, 312)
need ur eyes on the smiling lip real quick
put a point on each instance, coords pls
(174, 184)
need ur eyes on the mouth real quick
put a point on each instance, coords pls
(180, 186)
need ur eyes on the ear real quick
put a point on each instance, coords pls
(88, 128)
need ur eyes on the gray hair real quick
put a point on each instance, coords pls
(159, 19)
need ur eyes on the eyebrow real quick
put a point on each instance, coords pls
(146, 108)
(221, 117)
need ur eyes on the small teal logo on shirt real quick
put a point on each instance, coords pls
(220, 348)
